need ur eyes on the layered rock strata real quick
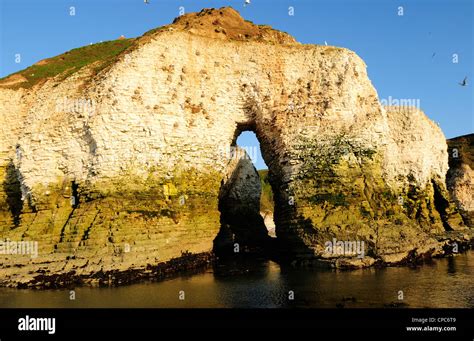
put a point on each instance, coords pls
(131, 178)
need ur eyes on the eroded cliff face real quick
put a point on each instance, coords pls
(131, 178)
(460, 177)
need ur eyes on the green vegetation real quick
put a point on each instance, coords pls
(266, 199)
(70, 62)
(338, 199)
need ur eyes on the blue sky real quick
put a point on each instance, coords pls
(398, 50)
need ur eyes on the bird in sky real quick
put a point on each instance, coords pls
(464, 82)
(325, 43)
(434, 54)
(247, 2)
(146, 2)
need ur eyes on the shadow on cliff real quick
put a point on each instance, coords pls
(242, 229)
(290, 245)
(11, 186)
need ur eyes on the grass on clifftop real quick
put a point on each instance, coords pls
(67, 63)
(266, 199)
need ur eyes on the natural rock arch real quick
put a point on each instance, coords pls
(147, 163)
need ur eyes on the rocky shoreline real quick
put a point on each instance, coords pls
(187, 264)
(450, 244)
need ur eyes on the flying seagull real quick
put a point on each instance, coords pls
(247, 2)
(464, 82)
(325, 43)
(146, 1)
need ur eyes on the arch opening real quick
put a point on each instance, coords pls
(245, 200)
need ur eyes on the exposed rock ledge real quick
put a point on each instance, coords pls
(142, 156)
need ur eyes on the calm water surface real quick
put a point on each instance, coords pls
(442, 283)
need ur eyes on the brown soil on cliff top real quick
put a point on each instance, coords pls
(226, 23)
(12, 80)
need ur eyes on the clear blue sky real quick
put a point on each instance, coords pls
(398, 50)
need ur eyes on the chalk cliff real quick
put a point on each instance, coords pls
(118, 165)
(460, 177)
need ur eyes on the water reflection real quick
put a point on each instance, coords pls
(451, 266)
(265, 284)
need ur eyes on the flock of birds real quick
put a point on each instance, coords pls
(247, 2)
